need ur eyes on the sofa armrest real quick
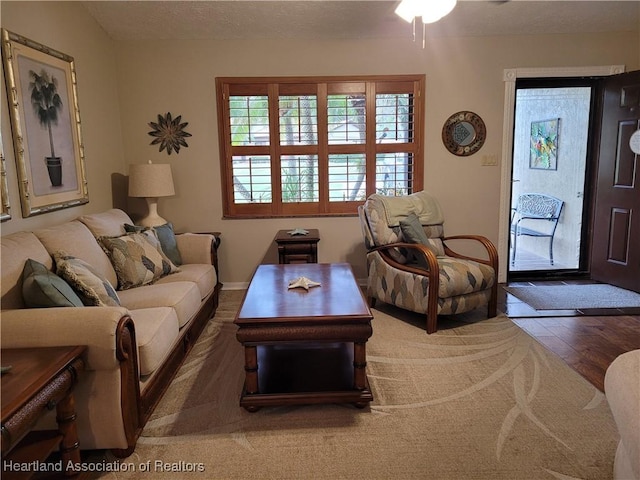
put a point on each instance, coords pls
(197, 248)
(622, 390)
(109, 334)
(98, 328)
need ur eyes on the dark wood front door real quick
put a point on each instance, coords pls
(615, 255)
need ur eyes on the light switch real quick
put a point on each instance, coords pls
(490, 160)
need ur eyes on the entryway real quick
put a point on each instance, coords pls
(532, 164)
(550, 150)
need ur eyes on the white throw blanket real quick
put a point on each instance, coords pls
(422, 203)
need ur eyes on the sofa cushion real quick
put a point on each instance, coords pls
(204, 276)
(42, 288)
(183, 297)
(76, 239)
(106, 224)
(156, 332)
(137, 258)
(167, 239)
(16, 249)
(92, 288)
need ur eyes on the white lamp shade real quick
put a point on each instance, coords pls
(151, 180)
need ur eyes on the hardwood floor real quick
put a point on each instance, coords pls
(586, 342)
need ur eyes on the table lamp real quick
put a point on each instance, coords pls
(151, 181)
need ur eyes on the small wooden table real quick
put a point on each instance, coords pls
(304, 347)
(298, 248)
(40, 380)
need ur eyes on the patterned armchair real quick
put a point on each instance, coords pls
(410, 264)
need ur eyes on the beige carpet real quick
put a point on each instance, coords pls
(478, 400)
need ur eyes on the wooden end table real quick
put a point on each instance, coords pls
(304, 347)
(297, 248)
(40, 380)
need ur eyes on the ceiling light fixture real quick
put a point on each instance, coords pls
(430, 12)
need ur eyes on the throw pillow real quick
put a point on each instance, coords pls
(91, 287)
(413, 232)
(42, 288)
(168, 242)
(137, 258)
(167, 239)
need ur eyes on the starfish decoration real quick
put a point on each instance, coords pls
(303, 282)
(169, 133)
(298, 231)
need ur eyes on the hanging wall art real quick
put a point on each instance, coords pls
(45, 120)
(544, 144)
(4, 189)
(464, 133)
(169, 133)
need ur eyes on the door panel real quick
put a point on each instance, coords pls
(615, 256)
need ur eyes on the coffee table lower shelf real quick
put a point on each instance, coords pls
(304, 374)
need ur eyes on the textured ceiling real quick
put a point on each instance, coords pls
(238, 19)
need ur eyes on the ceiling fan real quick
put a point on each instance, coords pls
(429, 12)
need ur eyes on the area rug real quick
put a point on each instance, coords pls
(479, 399)
(573, 297)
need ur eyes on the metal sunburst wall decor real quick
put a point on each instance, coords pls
(169, 133)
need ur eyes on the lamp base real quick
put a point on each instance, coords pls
(152, 219)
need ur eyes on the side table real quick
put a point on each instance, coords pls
(40, 379)
(298, 248)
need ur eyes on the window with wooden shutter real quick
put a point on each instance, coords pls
(308, 146)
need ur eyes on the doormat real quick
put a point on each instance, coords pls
(573, 297)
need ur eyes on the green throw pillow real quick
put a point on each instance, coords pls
(42, 288)
(137, 258)
(88, 284)
(413, 232)
(168, 242)
(167, 239)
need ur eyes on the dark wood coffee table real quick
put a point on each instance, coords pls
(304, 347)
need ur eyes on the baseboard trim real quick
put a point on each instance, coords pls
(235, 285)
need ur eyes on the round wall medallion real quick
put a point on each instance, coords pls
(464, 133)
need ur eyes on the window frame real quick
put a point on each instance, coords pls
(273, 88)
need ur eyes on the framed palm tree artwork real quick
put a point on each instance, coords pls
(45, 122)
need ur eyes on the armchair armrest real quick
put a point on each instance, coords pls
(432, 261)
(101, 329)
(490, 248)
(198, 247)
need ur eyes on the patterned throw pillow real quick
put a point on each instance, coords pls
(91, 287)
(137, 258)
(166, 236)
(42, 288)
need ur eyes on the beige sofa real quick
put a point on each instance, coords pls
(133, 349)
(622, 388)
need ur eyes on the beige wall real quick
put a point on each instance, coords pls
(123, 86)
(462, 74)
(66, 27)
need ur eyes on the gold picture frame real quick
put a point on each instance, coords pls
(5, 212)
(45, 121)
